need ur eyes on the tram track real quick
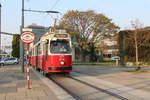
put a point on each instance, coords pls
(102, 90)
(67, 90)
(81, 90)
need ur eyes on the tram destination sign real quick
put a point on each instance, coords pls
(61, 35)
(27, 37)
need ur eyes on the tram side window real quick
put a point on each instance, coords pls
(61, 47)
(32, 52)
(107, 55)
(45, 51)
(39, 49)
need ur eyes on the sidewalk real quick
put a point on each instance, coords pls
(13, 86)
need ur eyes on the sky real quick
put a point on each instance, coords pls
(122, 12)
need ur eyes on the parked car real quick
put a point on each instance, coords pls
(1, 62)
(11, 60)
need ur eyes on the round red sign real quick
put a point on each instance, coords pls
(27, 37)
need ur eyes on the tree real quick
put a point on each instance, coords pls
(87, 27)
(136, 26)
(121, 45)
(15, 46)
(138, 37)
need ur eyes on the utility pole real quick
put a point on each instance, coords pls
(0, 28)
(22, 26)
(22, 45)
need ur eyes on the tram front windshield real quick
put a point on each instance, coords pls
(60, 47)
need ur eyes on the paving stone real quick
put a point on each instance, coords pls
(21, 98)
(17, 94)
(8, 85)
(22, 90)
(2, 96)
(137, 84)
(20, 77)
(10, 98)
(35, 85)
(8, 89)
(13, 86)
(36, 93)
(4, 82)
(111, 98)
(130, 97)
(21, 84)
(49, 92)
(147, 89)
(37, 88)
(47, 98)
(31, 98)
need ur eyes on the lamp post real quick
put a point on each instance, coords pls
(0, 28)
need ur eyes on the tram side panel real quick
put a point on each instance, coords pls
(42, 62)
(32, 57)
(52, 62)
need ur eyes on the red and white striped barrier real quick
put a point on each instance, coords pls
(28, 78)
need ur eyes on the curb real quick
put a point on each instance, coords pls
(59, 92)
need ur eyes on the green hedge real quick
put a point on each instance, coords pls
(106, 63)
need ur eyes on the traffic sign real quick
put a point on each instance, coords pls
(27, 37)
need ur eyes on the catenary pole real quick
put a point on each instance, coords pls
(22, 26)
(0, 28)
(22, 45)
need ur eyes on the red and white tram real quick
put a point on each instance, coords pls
(53, 53)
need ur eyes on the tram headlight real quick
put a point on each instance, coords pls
(62, 63)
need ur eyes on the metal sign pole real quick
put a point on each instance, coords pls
(28, 69)
(27, 37)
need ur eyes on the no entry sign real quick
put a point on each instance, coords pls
(27, 37)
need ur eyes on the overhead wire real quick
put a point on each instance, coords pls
(55, 4)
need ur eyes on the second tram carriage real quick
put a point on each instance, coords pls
(52, 53)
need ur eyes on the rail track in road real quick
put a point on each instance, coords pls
(81, 90)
